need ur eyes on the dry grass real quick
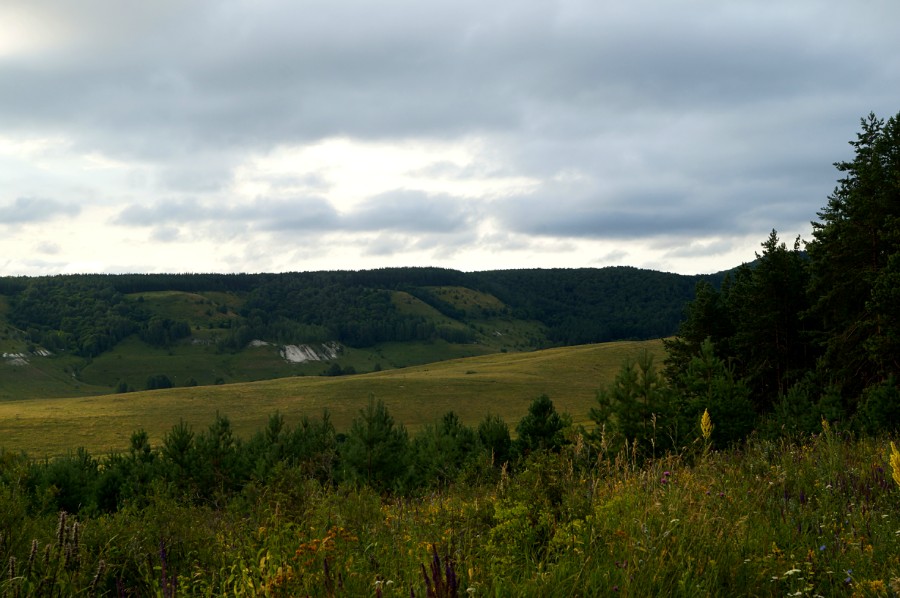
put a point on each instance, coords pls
(503, 384)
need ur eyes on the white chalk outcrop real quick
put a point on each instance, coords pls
(15, 358)
(22, 358)
(304, 353)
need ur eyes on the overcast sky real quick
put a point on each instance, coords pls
(276, 135)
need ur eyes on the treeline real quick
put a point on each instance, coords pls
(215, 464)
(800, 336)
(586, 305)
(88, 314)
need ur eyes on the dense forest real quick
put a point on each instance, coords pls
(88, 314)
(757, 460)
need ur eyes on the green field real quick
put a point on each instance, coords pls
(502, 384)
(199, 359)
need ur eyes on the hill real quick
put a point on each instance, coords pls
(501, 384)
(81, 335)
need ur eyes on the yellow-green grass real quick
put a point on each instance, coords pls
(196, 308)
(467, 299)
(502, 384)
(408, 304)
(42, 377)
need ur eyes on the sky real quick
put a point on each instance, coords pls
(276, 135)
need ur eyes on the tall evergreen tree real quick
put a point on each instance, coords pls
(639, 407)
(770, 346)
(853, 263)
(706, 317)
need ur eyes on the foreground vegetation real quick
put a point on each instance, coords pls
(816, 515)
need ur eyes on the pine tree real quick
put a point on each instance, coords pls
(706, 317)
(375, 451)
(853, 263)
(493, 433)
(541, 428)
(770, 346)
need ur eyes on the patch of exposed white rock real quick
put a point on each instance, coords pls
(22, 358)
(304, 353)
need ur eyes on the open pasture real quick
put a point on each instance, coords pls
(503, 384)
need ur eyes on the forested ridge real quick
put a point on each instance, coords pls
(88, 314)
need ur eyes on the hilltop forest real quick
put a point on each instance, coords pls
(112, 331)
(758, 459)
(90, 314)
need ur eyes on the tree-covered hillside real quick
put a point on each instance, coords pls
(89, 314)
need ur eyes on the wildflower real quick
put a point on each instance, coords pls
(706, 425)
(61, 529)
(895, 462)
(826, 427)
(101, 567)
(32, 555)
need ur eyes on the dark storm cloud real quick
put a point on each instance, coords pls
(25, 210)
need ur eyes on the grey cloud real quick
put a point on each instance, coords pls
(48, 248)
(386, 245)
(224, 75)
(613, 257)
(308, 182)
(165, 234)
(164, 212)
(401, 211)
(304, 215)
(613, 214)
(411, 211)
(700, 249)
(263, 214)
(35, 209)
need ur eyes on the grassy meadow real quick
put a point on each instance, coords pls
(503, 384)
(812, 516)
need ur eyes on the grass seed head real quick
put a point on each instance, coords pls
(895, 463)
(706, 425)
